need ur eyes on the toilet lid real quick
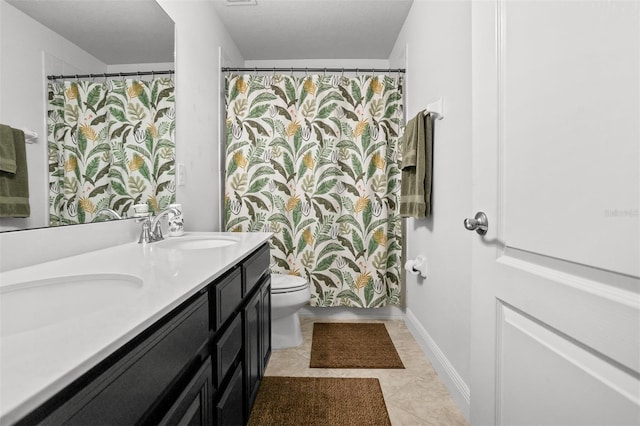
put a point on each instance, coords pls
(286, 283)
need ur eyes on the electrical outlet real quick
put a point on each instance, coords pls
(180, 174)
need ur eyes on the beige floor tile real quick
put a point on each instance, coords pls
(415, 396)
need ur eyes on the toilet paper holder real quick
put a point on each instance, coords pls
(417, 266)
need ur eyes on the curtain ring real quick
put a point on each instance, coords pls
(306, 72)
(342, 75)
(77, 80)
(291, 72)
(153, 75)
(325, 72)
(255, 71)
(357, 72)
(105, 77)
(274, 71)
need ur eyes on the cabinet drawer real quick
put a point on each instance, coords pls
(127, 391)
(227, 297)
(194, 406)
(255, 267)
(229, 407)
(227, 348)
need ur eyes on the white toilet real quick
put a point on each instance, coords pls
(289, 293)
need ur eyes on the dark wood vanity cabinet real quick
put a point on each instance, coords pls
(234, 405)
(201, 364)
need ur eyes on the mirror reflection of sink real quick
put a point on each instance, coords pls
(196, 243)
(31, 305)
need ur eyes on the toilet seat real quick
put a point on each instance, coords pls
(287, 283)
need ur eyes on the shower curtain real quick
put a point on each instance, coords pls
(111, 145)
(315, 161)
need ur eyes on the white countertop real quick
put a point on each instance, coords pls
(38, 363)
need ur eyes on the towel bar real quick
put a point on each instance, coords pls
(436, 108)
(30, 136)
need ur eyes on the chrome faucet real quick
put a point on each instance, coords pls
(151, 229)
(107, 212)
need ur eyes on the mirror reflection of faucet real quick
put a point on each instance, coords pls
(106, 212)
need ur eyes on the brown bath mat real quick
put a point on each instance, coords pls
(319, 401)
(352, 345)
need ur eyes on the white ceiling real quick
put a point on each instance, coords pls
(315, 29)
(113, 31)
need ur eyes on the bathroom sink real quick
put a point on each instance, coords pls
(196, 243)
(31, 305)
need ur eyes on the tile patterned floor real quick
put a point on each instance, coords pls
(415, 396)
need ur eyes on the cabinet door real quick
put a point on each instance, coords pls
(252, 351)
(265, 326)
(229, 410)
(227, 349)
(194, 407)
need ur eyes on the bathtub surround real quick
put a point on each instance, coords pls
(111, 145)
(314, 160)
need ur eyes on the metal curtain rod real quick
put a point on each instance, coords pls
(110, 74)
(298, 69)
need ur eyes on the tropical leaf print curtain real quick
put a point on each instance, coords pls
(111, 145)
(314, 160)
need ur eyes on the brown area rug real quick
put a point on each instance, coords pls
(352, 345)
(319, 401)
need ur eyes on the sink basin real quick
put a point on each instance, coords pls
(196, 243)
(31, 305)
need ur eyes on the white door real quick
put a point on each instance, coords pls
(556, 157)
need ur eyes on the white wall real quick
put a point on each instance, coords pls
(199, 35)
(320, 63)
(30, 52)
(437, 39)
(157, 66)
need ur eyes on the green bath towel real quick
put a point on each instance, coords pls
(14, 187)
(415, 190)
(7, 150)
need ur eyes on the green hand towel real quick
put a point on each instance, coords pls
(415, 189)
(7, 150)
(14, 187)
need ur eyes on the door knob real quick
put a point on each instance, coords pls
(480, 224)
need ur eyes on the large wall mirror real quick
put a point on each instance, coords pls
(105, 142)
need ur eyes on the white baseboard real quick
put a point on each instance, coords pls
(456, 386)
(341, 312)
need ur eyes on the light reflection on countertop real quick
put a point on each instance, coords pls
(39, 362)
